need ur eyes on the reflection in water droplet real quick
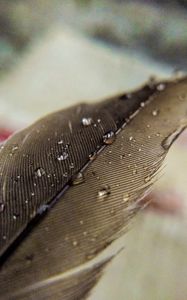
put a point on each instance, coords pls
(63, 156)
(40, 172)
(104, 192)
(78, 179)
(161, 87)
(87, 121)
(168, 141)
(109, 138)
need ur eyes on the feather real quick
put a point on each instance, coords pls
(71, 182)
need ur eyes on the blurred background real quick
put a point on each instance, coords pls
(57, 53)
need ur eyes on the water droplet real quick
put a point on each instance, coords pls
(130, 138)
(14, 148)
(39, 172)
(60, 142)
(2, 207)
(75, 243)
(139, 149)
(161, 87)
(4, 237)
(32, 194)
(109, 138)
(147, 179)
(126, 197)
(15, 216)
(42, 209)
(78, 179)
(71, 166)
(104, 192)
(87, 121)
(148, 136)
(142, 104)
(168, 141)
(155, 112)
(92, 156)
(63, 156)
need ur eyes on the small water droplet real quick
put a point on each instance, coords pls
(2, 207)
(139, 149)
(63, 156)
(75, 243)
(148, 136)
(32, 194)
(60, 142)
(78, 179)
(161, 87)
(142, 104)
(15, 148)
(155, 112)
(87, 121)
(15, 216)
(4, 237)
(130, 138)
(92, 156)
(147, 179)
(39, 172)
(104, 192)
(126, 197)
(109, 138)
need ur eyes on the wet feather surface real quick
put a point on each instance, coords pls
(71, 182)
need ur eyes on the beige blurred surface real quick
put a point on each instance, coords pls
(64, 68)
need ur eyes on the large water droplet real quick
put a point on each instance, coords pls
(109, 138)
(63, 156)
(39, 172)
(87, 121)
(104, 192)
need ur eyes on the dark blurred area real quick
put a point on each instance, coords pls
(155, 28)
